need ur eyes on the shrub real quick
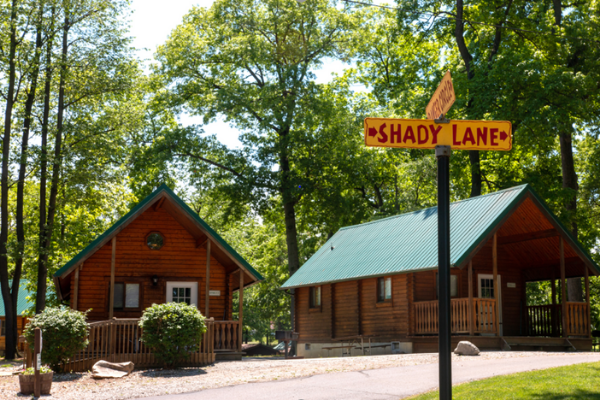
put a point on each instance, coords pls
(31, 371)
(64, 333)
(173, 331)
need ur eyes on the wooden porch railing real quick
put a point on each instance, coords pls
(484, 316)
(227, 336)
(578, 321)
(544, 320)
(118, 340)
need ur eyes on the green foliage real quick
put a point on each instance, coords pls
(31, 371)
(64, 333)
(173, 331)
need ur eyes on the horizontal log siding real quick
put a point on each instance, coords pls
(21, 322)
(345, 302)
(178, 259)
(387, 321)
(313, 325)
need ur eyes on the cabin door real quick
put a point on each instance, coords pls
(485, 286)
(183, 292)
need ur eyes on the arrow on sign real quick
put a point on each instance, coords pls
(372, 132)
(503, 135)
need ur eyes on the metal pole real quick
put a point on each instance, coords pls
(442, 154)
(37, 350)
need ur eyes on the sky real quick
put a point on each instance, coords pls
(151, 23)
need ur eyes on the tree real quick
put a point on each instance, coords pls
(251, 61)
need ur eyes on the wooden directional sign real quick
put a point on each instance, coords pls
(442, 99)
(426, 134)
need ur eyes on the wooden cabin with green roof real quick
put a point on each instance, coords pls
(161, 251)
(376, 283)
(23, 304)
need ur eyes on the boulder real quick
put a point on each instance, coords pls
(465, 348)
(104, 369)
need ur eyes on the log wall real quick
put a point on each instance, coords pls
(178, 260)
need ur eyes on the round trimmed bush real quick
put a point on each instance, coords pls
(64, 333)
(173, 331)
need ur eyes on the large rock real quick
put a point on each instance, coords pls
(465, 348)
(105, 369)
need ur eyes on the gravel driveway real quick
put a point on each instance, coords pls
(145, 383)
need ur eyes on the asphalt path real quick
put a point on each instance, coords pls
(381, 384)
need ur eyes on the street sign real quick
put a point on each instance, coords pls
(442, 99)
(426, 134)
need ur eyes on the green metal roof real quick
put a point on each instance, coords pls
(22, 302)
(131, 215)
(408, 242)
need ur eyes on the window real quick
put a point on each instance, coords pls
(453, 285)
(487, 288)
(2, 328)
(127, 296)
(183, 292)
(155, 241)
(182, 295)
(384, 289)
(315, 297)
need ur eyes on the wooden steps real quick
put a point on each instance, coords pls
(228, 355)
(526, 343)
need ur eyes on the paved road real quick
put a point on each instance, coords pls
(380, 384)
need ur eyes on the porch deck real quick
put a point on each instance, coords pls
(429, 344)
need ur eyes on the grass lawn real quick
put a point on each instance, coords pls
(581, 381)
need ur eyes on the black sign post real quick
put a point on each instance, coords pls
(442, 154)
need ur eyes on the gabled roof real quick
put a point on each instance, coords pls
(22, 302)
(162, 190)
(408, 242)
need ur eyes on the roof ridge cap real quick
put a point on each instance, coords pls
(432, 207)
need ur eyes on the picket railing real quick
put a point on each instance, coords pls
(118, 340)
(578, 321)
(544, 320)
(483, 318)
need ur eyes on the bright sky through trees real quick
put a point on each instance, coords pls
(151, 23)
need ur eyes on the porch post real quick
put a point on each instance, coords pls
(241, 309)
(207, 290)
(76, 288)
(111, 300)
(495, 264)
(553, 312)
(587, 300)
(471, 308)
(563, 288)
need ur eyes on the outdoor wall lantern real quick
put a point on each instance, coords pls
(154, 280)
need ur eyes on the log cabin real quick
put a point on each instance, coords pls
(160, 251)
(23, 304)
(376, 283)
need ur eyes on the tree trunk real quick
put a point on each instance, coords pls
(40, 303)
(569, 181)
(25, 140)
(569, 178)
(8, 296)
(56, 164)
(475, 173)
(467, 58)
